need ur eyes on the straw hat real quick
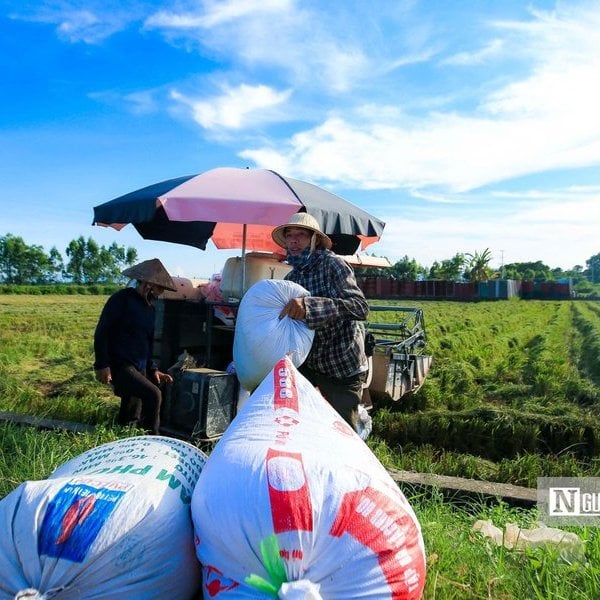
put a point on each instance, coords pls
(151, 271)
(304, 221)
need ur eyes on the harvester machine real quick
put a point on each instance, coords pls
(399, 364)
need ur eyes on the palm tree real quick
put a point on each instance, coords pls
(479, 265)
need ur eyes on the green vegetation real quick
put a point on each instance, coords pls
(475, 266)
(513, 394)
(46, 357)
(463, 565)
(30, 454)
(87, 262)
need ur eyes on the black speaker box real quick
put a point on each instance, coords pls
(204, 403)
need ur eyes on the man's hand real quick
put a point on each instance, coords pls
(294, 309)
(104, 375)
(161, 377)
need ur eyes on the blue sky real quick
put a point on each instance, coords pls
(463, 125)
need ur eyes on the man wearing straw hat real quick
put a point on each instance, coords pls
(123, 345)
(337, 363)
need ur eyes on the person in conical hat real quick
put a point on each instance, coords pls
(153, 273)
(335, 309)
(123, 342)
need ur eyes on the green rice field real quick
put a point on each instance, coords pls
(513, 394)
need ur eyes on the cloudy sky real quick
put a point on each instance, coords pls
(463, 125)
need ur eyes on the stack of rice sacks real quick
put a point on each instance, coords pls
(293, 504)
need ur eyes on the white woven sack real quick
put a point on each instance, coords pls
(292, 503)
(261, 338)
(113, 523)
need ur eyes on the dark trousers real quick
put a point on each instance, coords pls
(343, 394)
(140, 399)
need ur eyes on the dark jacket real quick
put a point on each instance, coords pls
(125, 332)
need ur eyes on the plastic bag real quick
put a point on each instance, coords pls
(365, 423)
(292, 501)
(513, 537)
(261, 338)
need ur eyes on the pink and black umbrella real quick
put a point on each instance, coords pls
(236, 208)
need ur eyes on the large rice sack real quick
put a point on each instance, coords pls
(113, 523)
(292, 503)
(261, 338)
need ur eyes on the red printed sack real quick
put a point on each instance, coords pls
(293, 504)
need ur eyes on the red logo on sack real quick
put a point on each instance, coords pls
(77, 513)
(284, 384)
(382, 525)
(291, 507)
(215, 583)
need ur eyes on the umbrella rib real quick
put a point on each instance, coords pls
(288, 186)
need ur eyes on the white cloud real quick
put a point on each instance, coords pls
(142, 103)
(91, 23)
(235, 108)
(217, 13)
(480, 56)
(558, 228)
(293, 42)
(546, 120)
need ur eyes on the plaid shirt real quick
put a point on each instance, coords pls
(334, 310)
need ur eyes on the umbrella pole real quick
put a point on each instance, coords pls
(243, 260)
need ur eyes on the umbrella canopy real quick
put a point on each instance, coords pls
(236, 208)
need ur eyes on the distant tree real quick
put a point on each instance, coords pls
(407, 269)
(90, 263)
(478, 265)
(530, 271)
(512, 273)
(449, 269)
(37, 266)
(576, 274)
(434, 270)
(593, 268)
(56, 265)
(76, 252)
(115, 259)
(12, 255)
(21, 264)
(584, 287)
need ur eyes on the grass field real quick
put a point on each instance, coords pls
(513, 394)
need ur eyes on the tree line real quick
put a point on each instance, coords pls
(85, 262)
(476, 267)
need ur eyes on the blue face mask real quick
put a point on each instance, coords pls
(300, 260)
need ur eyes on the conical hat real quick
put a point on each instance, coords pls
(304, 221)
(151, 271)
